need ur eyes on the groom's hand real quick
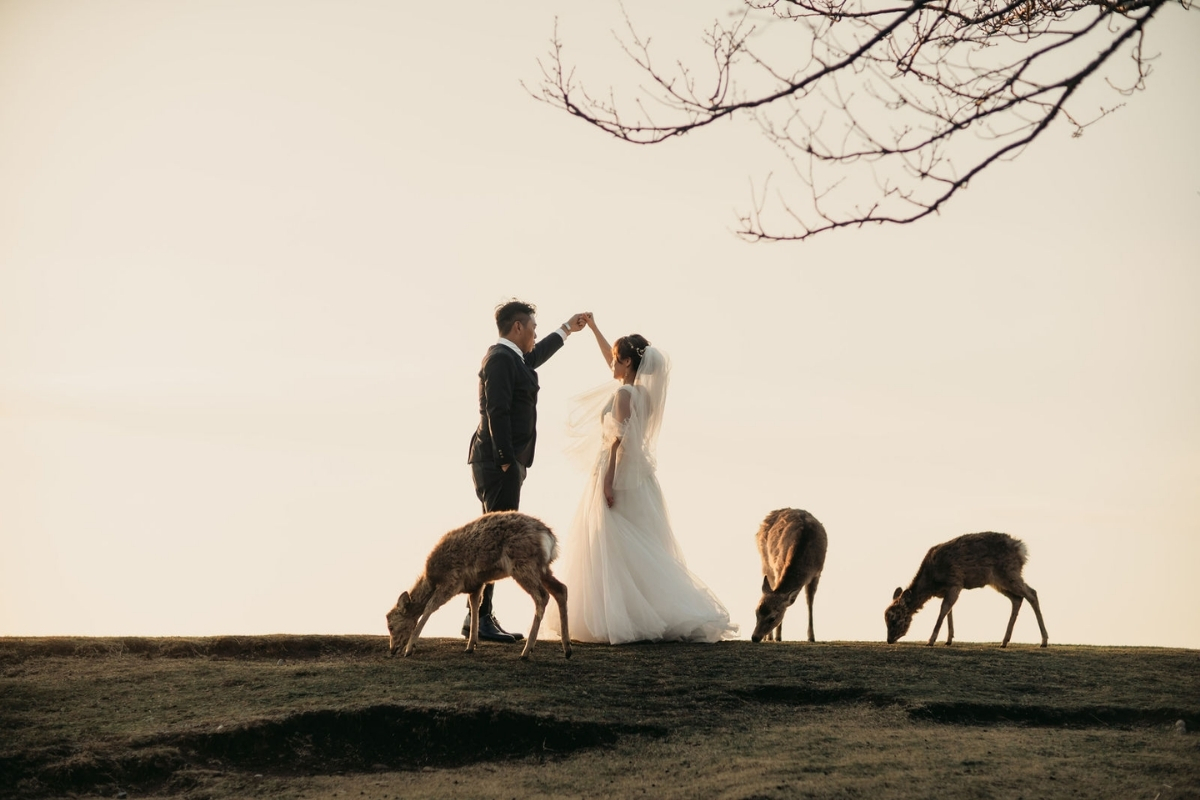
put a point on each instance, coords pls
(577, 322)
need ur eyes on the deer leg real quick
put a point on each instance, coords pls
(947, 604)
(777, 633)
(416, 634)
(532, 584)
(779, 627)
(1016, 604)
(558, 591)
(809, 591)
(474, 601)
(1032, 597)
(435, 602)
(539, 609)
(949, 627)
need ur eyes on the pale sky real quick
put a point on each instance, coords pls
(249, 254)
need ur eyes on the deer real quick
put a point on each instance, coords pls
(967, 562)
(792, 546)
(498, 545)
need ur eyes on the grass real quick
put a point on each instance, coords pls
(310, 716)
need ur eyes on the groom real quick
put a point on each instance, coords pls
(502, 447)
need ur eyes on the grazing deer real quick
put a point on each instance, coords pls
(792, 546)
(498, 545)
(968, 562)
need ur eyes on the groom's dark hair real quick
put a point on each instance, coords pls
(510, 312)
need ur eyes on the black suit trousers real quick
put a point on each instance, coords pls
(497, 489)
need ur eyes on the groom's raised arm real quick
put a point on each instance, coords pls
(496, 384)
(547, 347)
(551, 344)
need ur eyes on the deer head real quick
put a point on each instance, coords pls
(770, 610)
(401, 620)
(898, 616)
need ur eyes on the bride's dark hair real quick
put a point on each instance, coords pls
(632, 347)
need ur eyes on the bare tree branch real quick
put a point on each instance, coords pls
(883, 111)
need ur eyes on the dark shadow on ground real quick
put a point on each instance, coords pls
(973, 713)
(383, 737)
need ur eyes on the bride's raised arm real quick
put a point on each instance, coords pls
(605, 347)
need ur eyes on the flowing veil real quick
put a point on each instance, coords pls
(653, 376)
(585, 423)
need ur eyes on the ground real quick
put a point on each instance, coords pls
(315, 716)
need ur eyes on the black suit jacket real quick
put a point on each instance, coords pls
(508, 389)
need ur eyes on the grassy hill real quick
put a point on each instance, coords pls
(325, 716)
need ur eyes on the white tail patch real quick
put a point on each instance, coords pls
(549, 547)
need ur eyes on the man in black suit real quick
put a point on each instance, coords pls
(502, 447)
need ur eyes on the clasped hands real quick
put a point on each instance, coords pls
(578, 322)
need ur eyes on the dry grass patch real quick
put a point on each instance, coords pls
(332, 716)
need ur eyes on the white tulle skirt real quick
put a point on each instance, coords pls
(626, 577)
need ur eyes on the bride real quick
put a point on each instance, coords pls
(627, 575)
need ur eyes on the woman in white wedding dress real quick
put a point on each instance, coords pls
(626, 575)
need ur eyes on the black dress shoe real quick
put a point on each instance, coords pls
(496, 624)
(489, 631)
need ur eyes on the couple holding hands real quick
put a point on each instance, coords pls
(626, 573)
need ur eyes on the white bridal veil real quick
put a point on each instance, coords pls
(653, 376)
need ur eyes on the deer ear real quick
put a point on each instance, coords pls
(403, 601)
(897, 593)
(766, 584)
